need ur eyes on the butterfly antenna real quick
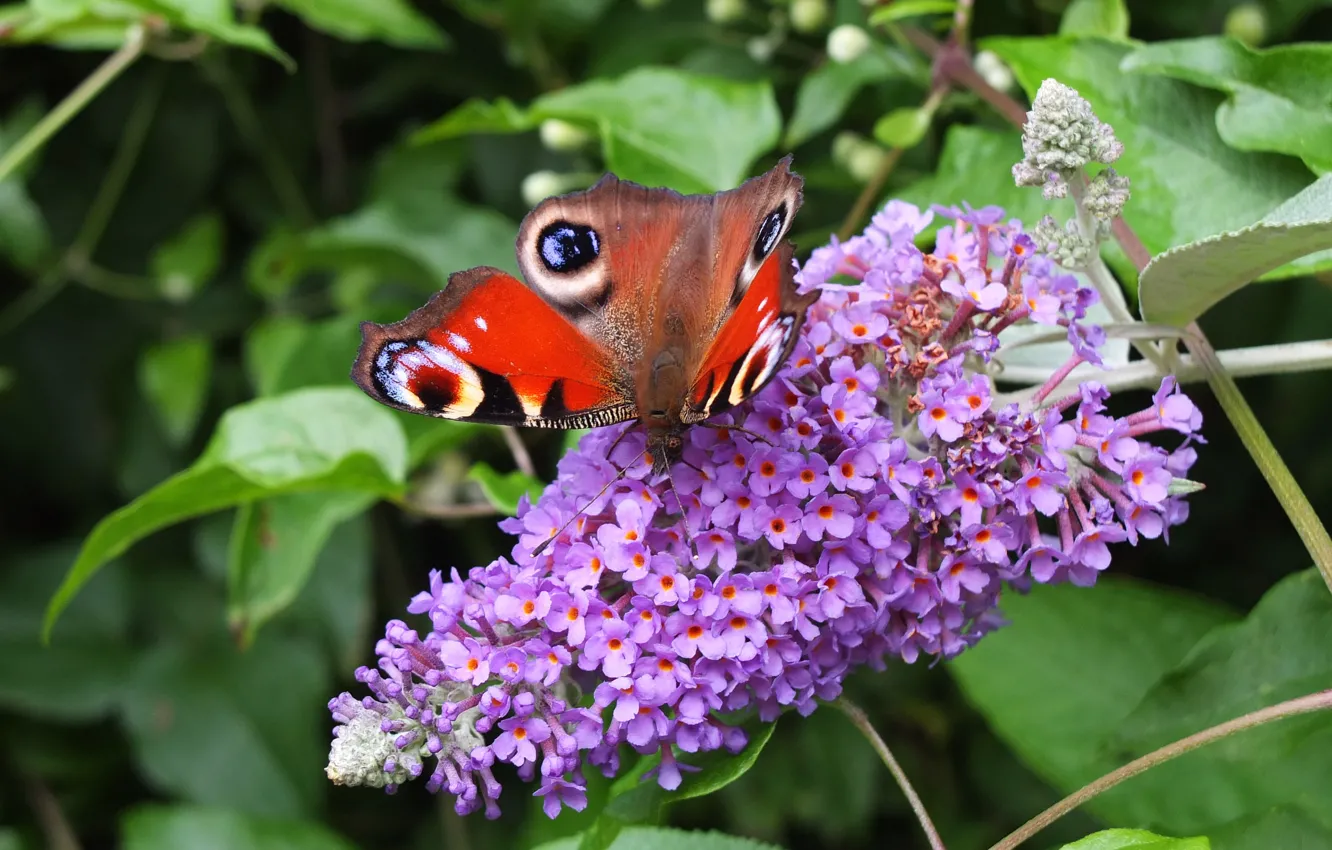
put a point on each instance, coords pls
(754, 434)
(684, 517)
(551, 539)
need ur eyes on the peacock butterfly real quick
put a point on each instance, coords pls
(635, 303)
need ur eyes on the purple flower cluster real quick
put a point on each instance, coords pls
(869, 503)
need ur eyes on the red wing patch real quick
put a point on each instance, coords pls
(489, 349)
(754, 342)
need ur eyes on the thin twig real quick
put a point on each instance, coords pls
(75, 261)
(251, 128)
(468, 510)
(962, 23)
(957, 65)
(104, 204)
(862, 723)
(521, 457)
(869, 194)
(56, 829)
(1269, 461)
(1300, 705)
(328, 122)
(51, 122)
(1282, 359)
(874, 188)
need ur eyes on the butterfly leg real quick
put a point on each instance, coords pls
(754, 434)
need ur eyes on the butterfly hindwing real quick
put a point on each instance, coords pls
(754, 341)
(489, 349)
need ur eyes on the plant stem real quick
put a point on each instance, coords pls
(112, 67)
(251, 128)
(1282, 359)
(1111, 293)
(521, 457)
(862, 723)
(874, 187)
(1300, 705)
(956, 64)
(1264, 454)
(55, 826)
(74, 262)
(118, 173)
(467, 510)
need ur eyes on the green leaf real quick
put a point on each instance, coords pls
(911, 9)
(1281, 827)
(659, 126)
(504, 490)
(270, 346)
(827, 91)
(661, 838)
(573, 438)
(217, 18)
(175, 376)
(1187, 182)
(215, 725)
(968, 171)
(1276, 653)
(398, 232)
(309, 440)
(478, 116)
(1136, 839)
(403, 239)
(390, 21)
(78, 677)
(161, 827)
(663, 127)
(24, 238)
(635, 800)
(1183, 283)
(1277, 98)
(428, 436)
(1107, 18)
(71, 24)
(183, 265)
(1058, 682)
(337, 601)
(283, 353)
(274, 544)
(904, 127)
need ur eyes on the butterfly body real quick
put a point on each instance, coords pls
(636, 303)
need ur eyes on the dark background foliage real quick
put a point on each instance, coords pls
(265, 211)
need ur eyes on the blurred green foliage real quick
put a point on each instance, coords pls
(224, 522)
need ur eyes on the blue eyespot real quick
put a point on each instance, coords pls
(566, 247)
(768, 231)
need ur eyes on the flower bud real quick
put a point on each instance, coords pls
(993, 70)
(559, 135)
(846, 43)
(540, 185)
(725, 11)
(1247, 22)
(760, 48)
(843, 145)
(809, 15)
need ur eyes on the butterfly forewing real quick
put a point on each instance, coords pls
(489, 349)
(754, 342)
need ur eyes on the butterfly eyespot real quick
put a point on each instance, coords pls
(768, 233)
(565, 247)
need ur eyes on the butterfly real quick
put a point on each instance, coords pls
(636, 303)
